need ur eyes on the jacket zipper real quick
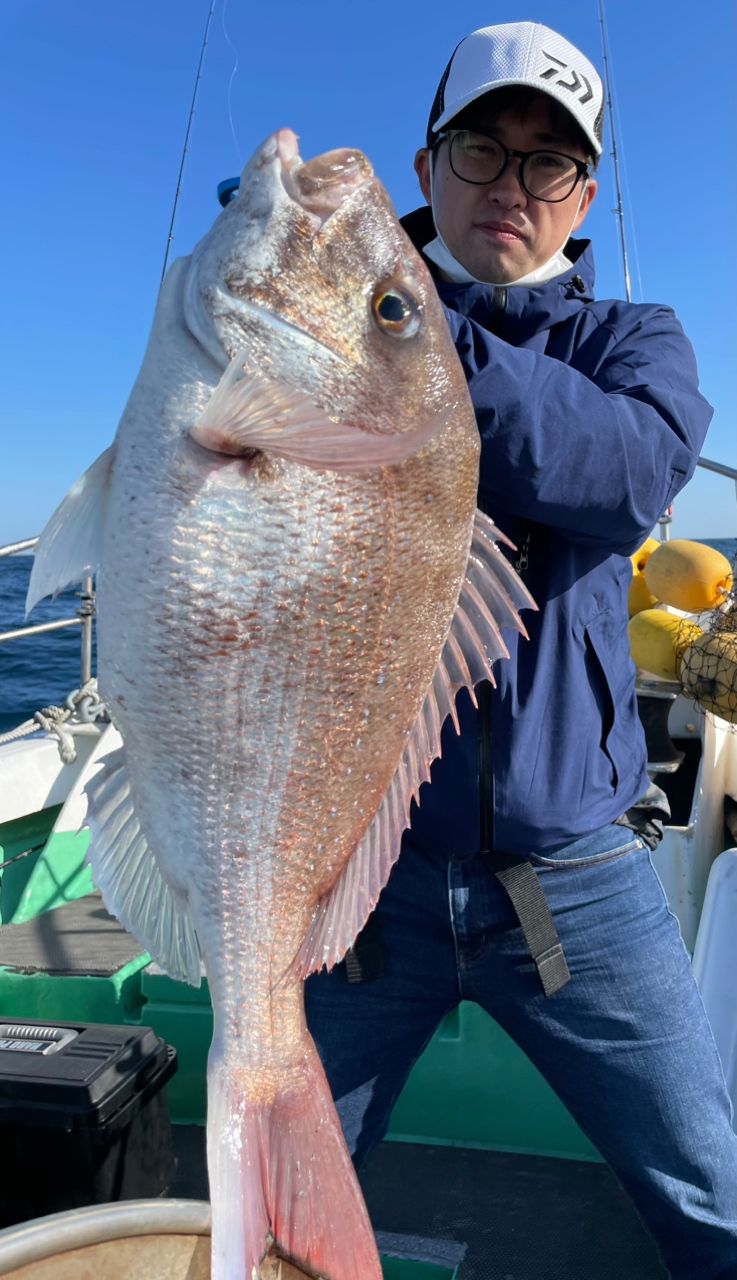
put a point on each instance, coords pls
(486, 777)
(522, 563)
(498, 308)
(484, 692)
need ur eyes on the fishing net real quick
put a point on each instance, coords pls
(708, 660)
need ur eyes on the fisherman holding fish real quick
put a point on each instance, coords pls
(525, 881)
(294, 550)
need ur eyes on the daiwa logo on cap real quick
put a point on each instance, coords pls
(575, 83)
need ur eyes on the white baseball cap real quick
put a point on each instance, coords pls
(520, 53)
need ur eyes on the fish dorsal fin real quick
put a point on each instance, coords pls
(129, 878)
(247, 410)
(69, 547)
(490, 597)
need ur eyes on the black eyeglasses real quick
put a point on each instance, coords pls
(480, 158)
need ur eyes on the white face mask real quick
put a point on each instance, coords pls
(438, 251)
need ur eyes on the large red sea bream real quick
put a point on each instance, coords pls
(293, 583)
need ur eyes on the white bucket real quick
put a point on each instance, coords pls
(130, 1240)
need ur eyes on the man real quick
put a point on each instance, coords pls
(525, 882)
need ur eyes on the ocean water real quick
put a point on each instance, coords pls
(35, 671)
(38, 671)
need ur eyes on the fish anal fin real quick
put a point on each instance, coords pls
(131, 882)
(490, 597)
(69, 547)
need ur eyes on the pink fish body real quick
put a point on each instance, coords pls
(293, 584)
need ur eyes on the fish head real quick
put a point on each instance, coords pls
(309, 272)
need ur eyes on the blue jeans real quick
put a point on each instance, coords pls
(625, 1045)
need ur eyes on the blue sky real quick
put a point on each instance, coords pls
(94, 99)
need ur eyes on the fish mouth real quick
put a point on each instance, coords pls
(319, 187)
(322, 185)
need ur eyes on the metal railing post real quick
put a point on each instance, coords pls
(86, 613)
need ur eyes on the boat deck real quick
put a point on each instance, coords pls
(484, 1215)
(80, 938)
(465, 1213)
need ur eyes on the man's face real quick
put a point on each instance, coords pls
(498, 232)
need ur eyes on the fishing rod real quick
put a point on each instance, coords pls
(619, 210)
(185, 148)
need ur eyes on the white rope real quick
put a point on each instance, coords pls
(85, 704)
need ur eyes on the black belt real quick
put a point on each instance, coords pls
(364, 961)
(518, 879)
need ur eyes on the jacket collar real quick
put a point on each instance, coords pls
(527, 308)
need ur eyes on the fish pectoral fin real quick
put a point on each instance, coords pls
(129, 878)
(490, 597)
(69, 547)
(249, 411)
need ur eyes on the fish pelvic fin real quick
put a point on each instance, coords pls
(490, 598)
(281, 1178)
(129, 878)
(249, 411)
(70, 546)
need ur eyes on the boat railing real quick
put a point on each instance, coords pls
(83, 617)
(720, 468)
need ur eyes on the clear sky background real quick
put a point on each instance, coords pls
(94, 97)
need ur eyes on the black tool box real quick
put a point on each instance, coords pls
(84, 1116)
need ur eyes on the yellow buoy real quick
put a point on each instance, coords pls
(709, 673)
(657, 640)
(688, 575)
(640, 597)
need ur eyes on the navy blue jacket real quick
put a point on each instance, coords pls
(591, 421)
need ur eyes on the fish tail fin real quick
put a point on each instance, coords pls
(281, 1178)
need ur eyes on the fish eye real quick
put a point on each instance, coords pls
(396, 312)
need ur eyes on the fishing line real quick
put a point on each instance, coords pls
(619, 210)
(633, 234)
(616, 125)
(185, 148)
(230, 86)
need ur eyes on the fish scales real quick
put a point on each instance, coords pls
(258, 785)
(281, 533)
